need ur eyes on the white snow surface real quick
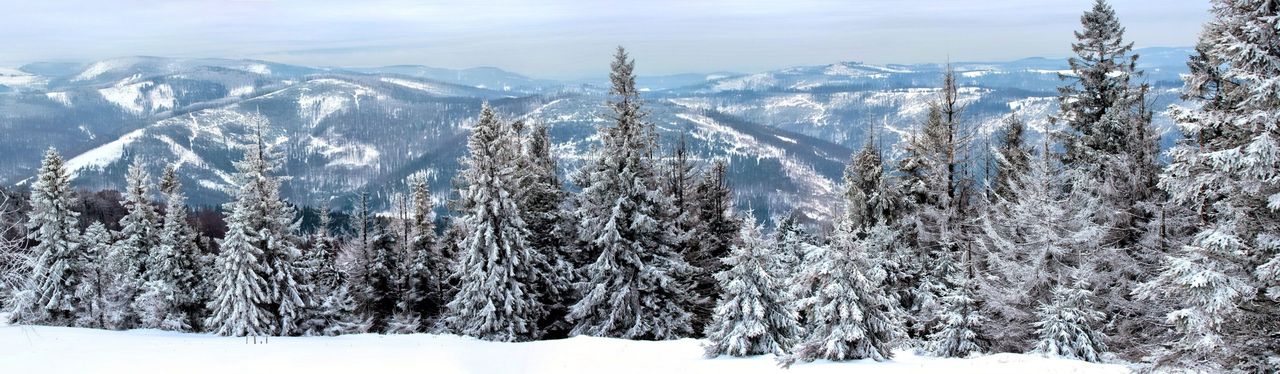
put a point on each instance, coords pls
(103, 155)
(40, 349)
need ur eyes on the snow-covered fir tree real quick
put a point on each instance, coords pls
(632, 289)
(789, 241)
(551, 229)
(1109, 136)
(383, 291)
(426, 263)
(875, 211)
(497, 299)
(753, 315)
(334, 310)
(961, 323)
(170, 296)
(131, 257)
(1066, 325)
(938, 190)
(49, 295)
(1032, 245)
(261, 290)
(843, 289)
(1225, 284)
(1101, 71)
(848, 314)
(714, 231)
(238, 306)
(1012, 157)
(94, 278)
(678, 181)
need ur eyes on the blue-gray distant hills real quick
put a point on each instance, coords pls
(787, 133)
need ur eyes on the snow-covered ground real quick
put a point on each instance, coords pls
(38, 349)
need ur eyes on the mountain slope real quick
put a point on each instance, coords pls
(786, 133)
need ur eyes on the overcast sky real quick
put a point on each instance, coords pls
(574, 39)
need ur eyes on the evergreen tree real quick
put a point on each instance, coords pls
(382, 294)
(753, 315)
(94, 279)
(849, 316)
(714, 230)
(961, 323)
(874, 211)
(261, 290)
(131, 258)
(497, 299)
(49, 296)
(1109, 136)
(335, 310)
(1066, 325)
(1013, 158)
(938, 191)
(170, 296)
(1032, 245)
(364, 261)
(633, 287)
(238, 307)
(426, 268)
(1225, 284)
(1101, 71)
(551, 229)
(789, 241)
(678, 181)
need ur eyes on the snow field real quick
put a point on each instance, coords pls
(42, 349)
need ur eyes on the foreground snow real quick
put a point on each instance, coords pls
(31, 349)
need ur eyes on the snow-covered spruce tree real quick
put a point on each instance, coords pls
(49, 295)
(961, 323)
(261, 290)
(167, 298)
(1101, 71)
(1109, 136)
(426, 263)
(131, 256)
(1225, 284)
(678, 180)
(15, 258)
(94, 278)
(551, 229)
(238, 306)
(874, 210)
(632, 289)
(361, 264)
(1066, 325)
(405, 319)
(497, 299)
(715, 229)
(1032, 245)
(334, 311)
(789, 240)
(849, 316)
(938, 188)
(753, 315)
(1013, 157)
(383, 292)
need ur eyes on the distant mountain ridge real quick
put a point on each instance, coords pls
(786, 132)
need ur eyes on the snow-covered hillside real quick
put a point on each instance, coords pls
(786, 133)
(32, 349)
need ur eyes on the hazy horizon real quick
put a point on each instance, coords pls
(562, 39)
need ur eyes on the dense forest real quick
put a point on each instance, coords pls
(1091, 245)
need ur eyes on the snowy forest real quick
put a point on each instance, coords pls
(1091, 243)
